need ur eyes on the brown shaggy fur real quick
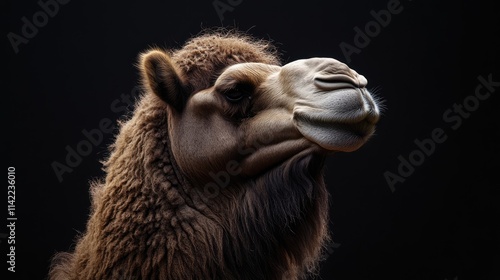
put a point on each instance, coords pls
(148, 222)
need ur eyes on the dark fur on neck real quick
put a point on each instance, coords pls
(280, 224)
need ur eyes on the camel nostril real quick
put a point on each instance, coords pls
(337, 81)
(329, 86)
(334, 81)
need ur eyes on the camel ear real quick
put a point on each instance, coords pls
(161, 75)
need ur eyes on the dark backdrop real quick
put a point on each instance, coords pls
(437, 220)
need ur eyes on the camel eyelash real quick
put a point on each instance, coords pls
(238, 101)
(238, 92)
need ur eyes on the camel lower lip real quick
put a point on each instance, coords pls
(332, 135)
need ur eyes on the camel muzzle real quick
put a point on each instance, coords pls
(332, 106)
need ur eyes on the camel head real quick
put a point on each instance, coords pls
(218, 173)
(243, 108)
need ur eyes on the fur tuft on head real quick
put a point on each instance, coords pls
(204, 57)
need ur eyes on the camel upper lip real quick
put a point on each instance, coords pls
(342, 119)
(324, 116)
(345, 104)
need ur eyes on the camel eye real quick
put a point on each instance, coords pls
(234, 95)
(238, 93)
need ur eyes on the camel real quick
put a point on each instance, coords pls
(218, 172)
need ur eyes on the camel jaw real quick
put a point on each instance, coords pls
(341, 119)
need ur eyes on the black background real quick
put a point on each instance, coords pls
(440, 223)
